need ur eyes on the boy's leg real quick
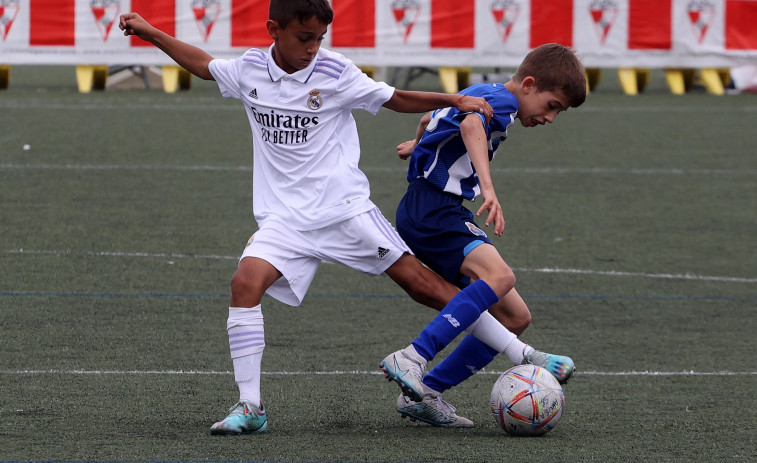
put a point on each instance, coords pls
(246, 344)
(258, 273)
(472, 354)
(485, 262)
(407, 366)
(421, 284)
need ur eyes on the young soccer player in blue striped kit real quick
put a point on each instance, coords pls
(449, 163)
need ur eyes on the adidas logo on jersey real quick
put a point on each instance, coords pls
(382, 252)
(254, 93)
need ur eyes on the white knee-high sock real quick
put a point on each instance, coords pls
(489, 330)
(246, 343)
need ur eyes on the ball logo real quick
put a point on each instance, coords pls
(106, 13)
(314, 100)
(701, 14)
(206, 13)
(8, 12)
(405, 15)
(603, 14)
(505, 14)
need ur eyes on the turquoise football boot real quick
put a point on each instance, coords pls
(560, 366)
(244, 418)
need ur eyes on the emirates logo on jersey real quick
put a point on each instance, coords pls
(406, 13)
(701, 14)
(106, 13)
(206, 13)
(603, 14)
(505, 14)
(8, 12)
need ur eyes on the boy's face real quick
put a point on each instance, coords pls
(539, 107)
(296, 46)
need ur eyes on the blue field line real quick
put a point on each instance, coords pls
(377, 296)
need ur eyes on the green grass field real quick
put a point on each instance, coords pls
(631, 224)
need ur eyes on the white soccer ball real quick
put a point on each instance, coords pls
(527, 400)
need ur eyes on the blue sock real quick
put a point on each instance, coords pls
(459, 314)
(471, 355)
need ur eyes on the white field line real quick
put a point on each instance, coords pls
(74, 106)
(106, 167)
(352, 373)
(158, 255)
(568, 271)
(398, 168)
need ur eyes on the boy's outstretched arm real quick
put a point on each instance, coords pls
(191, 58)
(405, 101)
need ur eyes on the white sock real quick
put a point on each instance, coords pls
(246, 343)
(516, 350)
(489, 330)
(248, 367)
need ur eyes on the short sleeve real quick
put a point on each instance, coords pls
(364, 92)
(226, 74)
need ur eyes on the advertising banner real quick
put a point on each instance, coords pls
(455, 33)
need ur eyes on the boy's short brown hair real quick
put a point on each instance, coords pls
(286, 11)
(555, 67)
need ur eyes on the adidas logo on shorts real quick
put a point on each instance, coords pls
(382, 252)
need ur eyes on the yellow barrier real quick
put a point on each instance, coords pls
(89, 77)
(633, 80)
(5, 76)
(593, 76)
(715, 80)
(680, 80)
(176, 78)
(454, 79)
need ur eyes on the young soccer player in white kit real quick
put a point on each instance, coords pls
(310, 200)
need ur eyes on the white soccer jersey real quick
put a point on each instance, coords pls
(305, 141)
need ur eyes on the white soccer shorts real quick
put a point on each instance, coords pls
(367, 243)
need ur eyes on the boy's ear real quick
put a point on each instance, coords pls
(273, 29)
(528, 84)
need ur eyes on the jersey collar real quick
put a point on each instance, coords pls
(276, 73)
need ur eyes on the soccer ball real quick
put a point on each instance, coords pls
(527, 400)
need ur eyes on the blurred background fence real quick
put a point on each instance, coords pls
(692, 40)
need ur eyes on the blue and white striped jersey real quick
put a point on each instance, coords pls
(441, 156)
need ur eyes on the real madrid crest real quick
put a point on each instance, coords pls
(314, 100)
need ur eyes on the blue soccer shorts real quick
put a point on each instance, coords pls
(438, 229)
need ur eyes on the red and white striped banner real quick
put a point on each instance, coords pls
(486, 33)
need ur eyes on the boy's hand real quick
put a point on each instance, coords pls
(405, 149)
(474, 104)
(495, 214)
(134, 24)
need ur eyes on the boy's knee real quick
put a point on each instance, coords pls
(246, 291)
(501, 282)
